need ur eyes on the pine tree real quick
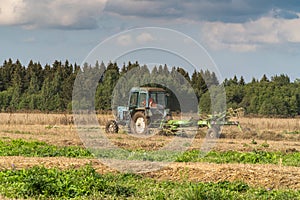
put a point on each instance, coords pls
(154, 71)
(254, 80)
(184, 74)
(16, 86)
(235, 80)
(242, 81)
(281, 80)
(264, 79)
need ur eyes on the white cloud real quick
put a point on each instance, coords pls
(289, 30)
(133, 39)
(11, 12)
(124, 40)
(188, 41)
(251, 35)
(144, 38)
(74, 14)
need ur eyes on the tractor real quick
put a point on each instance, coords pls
(147, 107)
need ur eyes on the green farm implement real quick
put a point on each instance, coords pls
(212, 122)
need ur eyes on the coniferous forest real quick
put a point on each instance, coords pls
(49, 88)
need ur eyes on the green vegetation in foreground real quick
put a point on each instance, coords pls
(84, 183)
(253, 157)
(40, 149)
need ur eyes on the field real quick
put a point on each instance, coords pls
(42, 157)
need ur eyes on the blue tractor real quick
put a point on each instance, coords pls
(147, 107)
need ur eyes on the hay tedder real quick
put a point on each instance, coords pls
(147, 110)
(212, 122)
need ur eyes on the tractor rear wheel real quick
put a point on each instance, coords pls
(111, 127)
(139, 123)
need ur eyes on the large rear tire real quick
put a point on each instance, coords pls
(111, 127)
(139, 124)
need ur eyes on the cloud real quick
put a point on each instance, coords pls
(129, 39)
(11, 12)
(285, 14)
(124, 40)
(251, 35)
(143, 8)
(236, 11)
(144, 38)
(61, 14)
(78, 14)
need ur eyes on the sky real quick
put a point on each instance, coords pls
(246, 38)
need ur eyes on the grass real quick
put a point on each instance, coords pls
(254, 157)
(17, 132)
(236, 190)
(275, 124)
(21, 147)
(292, 132)
(85, 183)
(41, 183)
(41, 149)
(48, 119)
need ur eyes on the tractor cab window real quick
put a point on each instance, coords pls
(134, 99)
(161, 99)
(158, 98)
(142, 99)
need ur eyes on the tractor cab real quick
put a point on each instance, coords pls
(147, 97)
(147, 107)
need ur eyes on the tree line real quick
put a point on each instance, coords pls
(277, 96)
(49, 88)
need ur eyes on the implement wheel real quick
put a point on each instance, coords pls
(212, 133)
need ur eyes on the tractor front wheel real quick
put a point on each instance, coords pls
(111, 127)
(139, 123)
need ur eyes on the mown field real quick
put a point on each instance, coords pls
(42, 157)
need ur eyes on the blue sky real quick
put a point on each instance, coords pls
(243, 37)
